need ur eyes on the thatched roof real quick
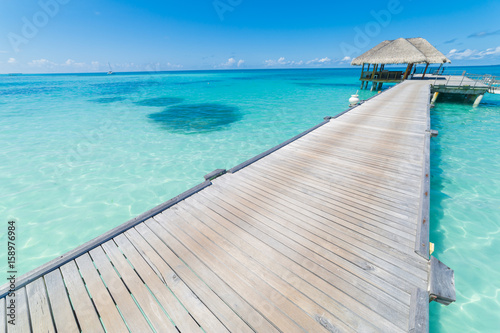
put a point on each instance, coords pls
(432, 54)
(365, 57)
(401, 51)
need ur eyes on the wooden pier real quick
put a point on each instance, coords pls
(328, 232)
(471, 86)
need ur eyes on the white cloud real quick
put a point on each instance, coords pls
(1, 51)
(230, 63)
(174, 66)
(346, 59)
(491, 51)
(282, 62)
(74, 66)
(42, 63)
(72, 63)
(319, 61)
(12, 61)
(473, 54)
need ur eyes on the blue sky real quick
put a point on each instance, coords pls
(46, 36)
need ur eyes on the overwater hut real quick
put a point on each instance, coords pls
(410, 51)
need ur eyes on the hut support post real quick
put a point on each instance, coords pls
(408, 71)
(362, 70)
(435, 97)
(425, 70)
(380, 86)
(373, 75)
(478, 100)
(374, 69)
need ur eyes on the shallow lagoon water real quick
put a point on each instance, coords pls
(82, 154)
(465, 212)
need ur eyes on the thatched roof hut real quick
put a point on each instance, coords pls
(402, 51)
(409, 51)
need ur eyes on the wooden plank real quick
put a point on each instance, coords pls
(362, 210)
(62, 312)
(201, 302)
(423, 224)
(369, 154)
(353, 251)
(251, 284)
(393, 187)
(342, 187)
(155, 313)
(331, 231)
(240, 285)
(314, 207)
(378, 170)
(22, 320)
(249, 318)
(419, 311)
(391, 180)
(441, 283)
(330, 193)
(178, 314)
(86, 315)
(105, 305)
(290, 285)
(39, 308)
(383, 132)
(387, 180)
(121, 295)
(330, 269)
(399, 169)
(279, 264)
(367, 148)
(336, 134)
(349, 181)
(335, 266)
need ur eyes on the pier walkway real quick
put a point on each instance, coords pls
(326, 233)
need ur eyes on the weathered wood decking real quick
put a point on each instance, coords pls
(320, 235)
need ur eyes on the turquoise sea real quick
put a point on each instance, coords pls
(81, 154)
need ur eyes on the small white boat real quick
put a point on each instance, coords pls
(110, 70)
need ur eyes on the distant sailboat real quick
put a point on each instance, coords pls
(110, 71)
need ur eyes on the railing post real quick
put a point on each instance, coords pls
(463, 77)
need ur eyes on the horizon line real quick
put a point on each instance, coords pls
(353, 67)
